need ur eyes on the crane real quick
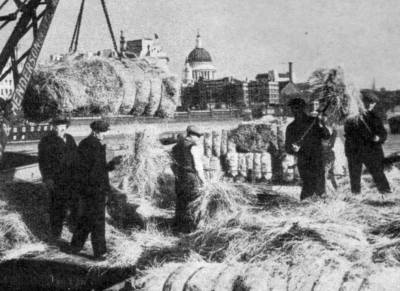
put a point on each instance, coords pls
(32, 16)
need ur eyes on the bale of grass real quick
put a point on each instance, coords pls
(207, 144)
(170, 97)
(224, 142)
(154, 97)
(337, 95)
(242, 165)
(142, 97)
(253, 137)
(96, 85)
(266, 165)
(232, 164)
(146, 171)
(257, 166)
(249, 165)
(216, 143)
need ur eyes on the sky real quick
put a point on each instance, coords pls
(249, 37)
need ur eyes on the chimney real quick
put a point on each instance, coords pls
(290, 72)
(122, 43)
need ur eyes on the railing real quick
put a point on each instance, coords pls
(33, 131)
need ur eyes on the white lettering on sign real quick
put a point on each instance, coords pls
(33, 56)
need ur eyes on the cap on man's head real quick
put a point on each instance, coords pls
(296, 102)
(192, 129)
(369, 97)
(59, 121)
(100, 126)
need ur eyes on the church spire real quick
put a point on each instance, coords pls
(198, 39)
(373, 84)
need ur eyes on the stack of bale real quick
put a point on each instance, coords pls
(251, 152)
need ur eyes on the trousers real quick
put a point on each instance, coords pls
(374, 164)
(62, 199)
(187, 190)
(91, 221)
(312, 173)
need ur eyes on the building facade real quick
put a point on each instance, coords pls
(264, 90)
(143, 47)
(222, 93)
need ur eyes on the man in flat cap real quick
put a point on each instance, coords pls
(304, 138)
(57, 154)
(189, 174)
(93, 176)
(363, 145)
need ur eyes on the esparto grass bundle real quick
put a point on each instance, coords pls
(146, 171)
(216, 200)
(337, 95)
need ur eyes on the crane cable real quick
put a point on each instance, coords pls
(75, 38)
(103, 3)
(3, 4)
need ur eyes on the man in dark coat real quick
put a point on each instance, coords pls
(304, 139)
(57, 154)
(188, 169)
(94, 183)
(365, 135)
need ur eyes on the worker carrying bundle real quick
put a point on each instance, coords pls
(364, 130)
(303, 139)
(365, 136)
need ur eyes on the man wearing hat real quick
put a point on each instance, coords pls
(189, 174)
(304, 138)
(57, 154)
(94, 186)
(363, 145)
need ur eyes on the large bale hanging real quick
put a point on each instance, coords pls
(91, 86)
(97, 85)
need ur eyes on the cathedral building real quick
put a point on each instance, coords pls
(201, 90)
(198, 65)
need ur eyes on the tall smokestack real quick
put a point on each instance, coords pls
(290, 71)
(122, 43)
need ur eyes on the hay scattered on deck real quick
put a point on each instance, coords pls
(217, 200)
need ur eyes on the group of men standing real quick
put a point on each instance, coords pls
(364, 136)
(77, 176)
(77, 180)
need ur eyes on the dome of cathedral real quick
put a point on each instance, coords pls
(199, 55)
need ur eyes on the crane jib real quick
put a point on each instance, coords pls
(33, 55)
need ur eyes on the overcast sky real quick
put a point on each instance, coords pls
(254, 36)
